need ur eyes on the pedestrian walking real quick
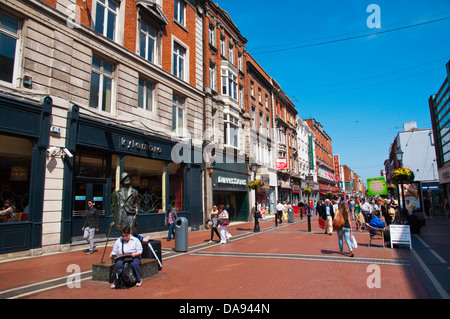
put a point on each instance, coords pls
(215, 222)
(346, 231)
(171, 217)
(328, 215)
(90, 226)
(359, 218)
(223, 222)
(279, 213)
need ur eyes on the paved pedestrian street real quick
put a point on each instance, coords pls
(284, 262)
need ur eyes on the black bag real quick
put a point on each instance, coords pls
(125, 276)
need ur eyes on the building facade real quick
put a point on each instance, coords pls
(115, 86)
(440, 110)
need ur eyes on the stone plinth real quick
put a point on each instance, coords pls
(103, 271)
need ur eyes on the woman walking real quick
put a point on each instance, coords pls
(215, 223)
(223, 222)
(346, 231)
(170, 219)
(359, 218)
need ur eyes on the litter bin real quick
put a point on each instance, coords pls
(290, 215)
(181, 231)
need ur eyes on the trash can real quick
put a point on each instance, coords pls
(290, 215)
(181, 231)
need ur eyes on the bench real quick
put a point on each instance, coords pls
(104, 271)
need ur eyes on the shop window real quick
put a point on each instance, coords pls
(147, 178)
(15, 171)
(90, 164)
(176, 174)
(9, 37)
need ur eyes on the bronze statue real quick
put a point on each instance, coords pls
(126, 205)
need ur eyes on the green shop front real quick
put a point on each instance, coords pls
(24, 137)
(230, 188)
(102, 152)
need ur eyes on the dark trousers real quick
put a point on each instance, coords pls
(135, 265)
(278, 216)
(214, 229)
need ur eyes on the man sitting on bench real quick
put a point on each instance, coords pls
(127, 246)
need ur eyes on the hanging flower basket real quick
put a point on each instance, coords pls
(307, 191)
(402, 174)
(255, 184)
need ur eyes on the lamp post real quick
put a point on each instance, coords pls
(399, 155)
(256, 228)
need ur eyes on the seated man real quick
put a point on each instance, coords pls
(376, 222)
(130, 246)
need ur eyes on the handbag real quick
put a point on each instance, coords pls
(353, 242)
(338, 221)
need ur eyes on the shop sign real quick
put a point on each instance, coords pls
(138, 146)
(231, 180)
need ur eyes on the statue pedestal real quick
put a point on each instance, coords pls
(103, 271)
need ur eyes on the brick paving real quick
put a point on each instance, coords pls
(285, 262)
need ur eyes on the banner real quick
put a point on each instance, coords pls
(376, 186)
(281, 163)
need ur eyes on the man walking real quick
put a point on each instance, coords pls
(328, 215)
(90, 226)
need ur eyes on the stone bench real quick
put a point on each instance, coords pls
(103, 271)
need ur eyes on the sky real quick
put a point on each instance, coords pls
(360, 83)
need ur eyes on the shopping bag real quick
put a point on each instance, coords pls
(353, 242)
(321, 223)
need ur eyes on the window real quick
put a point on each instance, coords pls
(145, 95)
(229, 84)
(212, 35)
(147, 48)
(231, 54)
(231, 132)
(241, 97)
(212, 76)
(223, 47)
(268, 126)
(179, 57)
(261, 120)
(9, 36)
(267, 102)
(259, 95)
(101, 84)
(177, 114)
(252, 89)
(105, 18)
(253, 117)
(15, 176)
(179, 13)
(240, 63)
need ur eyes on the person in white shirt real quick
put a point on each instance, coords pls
(129, 246)
(279, 213)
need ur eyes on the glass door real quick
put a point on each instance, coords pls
(86, 190)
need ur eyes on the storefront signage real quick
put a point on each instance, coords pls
(138, 146)
(231, 180)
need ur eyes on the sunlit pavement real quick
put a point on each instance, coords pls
(284, 262)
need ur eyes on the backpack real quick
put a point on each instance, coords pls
(125, 276)
(338, 221)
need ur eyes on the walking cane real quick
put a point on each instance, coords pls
(107, 239)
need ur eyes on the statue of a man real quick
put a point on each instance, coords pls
(126, 205)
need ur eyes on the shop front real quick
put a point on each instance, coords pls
(295, 194)
(284, 188)
(229, 187)
(102, 153)
(24, 137)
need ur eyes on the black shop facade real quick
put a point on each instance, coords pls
(24, 138)
(103, 151)
(229, 187)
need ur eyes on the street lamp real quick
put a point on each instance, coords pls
(399, 155)
(254, 168)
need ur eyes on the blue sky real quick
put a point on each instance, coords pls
(361, 90)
